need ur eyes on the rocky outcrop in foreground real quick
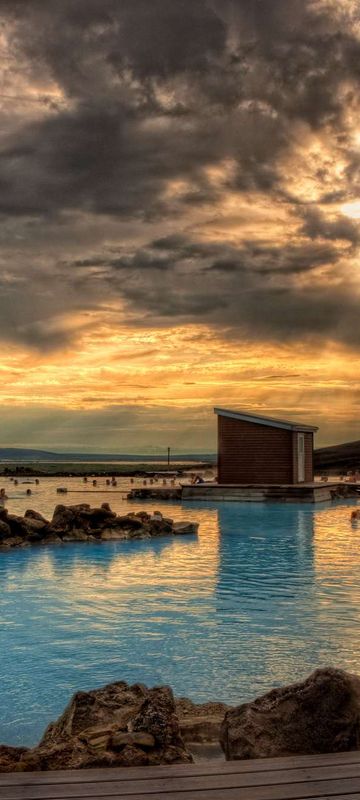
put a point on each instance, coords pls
(319, 715)
(123, 726)
(81, 523)
(116, 726)
(119, 726)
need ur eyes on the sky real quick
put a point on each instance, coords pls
(180, 219)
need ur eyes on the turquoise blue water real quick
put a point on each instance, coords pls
(262, 596)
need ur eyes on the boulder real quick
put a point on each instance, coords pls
(50, 538)
(157, 716)
(113, 534)
(35, 525)
(117, 725)
(76, 535)
(318, 715)
(185, 527)
(141, 739)
(5, 531)
(200, 722)
(66, 755)
(161, 527)
(111, 704)
(77, 521)
(129, 522)
(18, 526)
(143, 515)
(106, 507)
(10, 757)
(65, 517)
(32, 526)
(97, 517)
(35, 515)
(14, 541)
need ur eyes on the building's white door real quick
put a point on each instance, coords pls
(301, 457)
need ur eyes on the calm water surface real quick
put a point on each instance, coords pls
(262, 596)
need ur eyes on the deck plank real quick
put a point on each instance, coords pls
(303, 791)
(274, 791)
(180, 770)
(324, 777)
(186, 783)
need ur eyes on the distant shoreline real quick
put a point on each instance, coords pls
(96, 469)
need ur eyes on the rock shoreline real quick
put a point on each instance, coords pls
(120, 469)
(120, 725)
(81, 523)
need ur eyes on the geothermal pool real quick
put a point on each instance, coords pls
(262, 596)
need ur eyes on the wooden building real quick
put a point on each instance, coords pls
(262, 450)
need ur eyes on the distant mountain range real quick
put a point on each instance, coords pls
(341, 457)
(24, 454)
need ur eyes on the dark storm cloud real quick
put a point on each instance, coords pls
(27, 315)
(154, 94)
(317, 226)
(252, 290)
(157, 39)
(105, 154)
(186, 34)
(302, 54)
(241, 307)
(254, 257)
(94, 159)
(286, 260)
(150, 84)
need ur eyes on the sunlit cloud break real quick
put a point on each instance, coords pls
(180, 218)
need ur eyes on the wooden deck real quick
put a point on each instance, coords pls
(315, 492)
(324, 777)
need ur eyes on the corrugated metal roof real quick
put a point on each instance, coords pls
(258, 419)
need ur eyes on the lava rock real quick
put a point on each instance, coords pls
(200, 722)
(141, 739)
(318, 715)
(35, 515)
(10, 757)
(185, 527)
(117, 725)
(81, 523)
(5, 531)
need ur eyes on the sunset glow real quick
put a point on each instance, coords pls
(180, 226)
(352, 209)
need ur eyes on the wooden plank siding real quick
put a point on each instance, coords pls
(335, 776)
(252, 453)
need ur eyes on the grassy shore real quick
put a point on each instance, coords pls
(56, 469)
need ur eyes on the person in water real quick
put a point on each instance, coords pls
(197, 479)
(3, 496)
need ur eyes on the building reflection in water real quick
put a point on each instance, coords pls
(261, 597)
